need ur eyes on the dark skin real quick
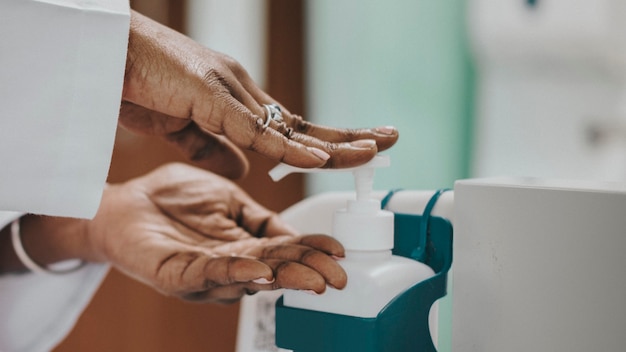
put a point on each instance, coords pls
(206, 104)
(188, 233)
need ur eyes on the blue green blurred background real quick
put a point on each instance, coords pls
(403, 63)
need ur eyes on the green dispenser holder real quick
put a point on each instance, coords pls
(400, 326)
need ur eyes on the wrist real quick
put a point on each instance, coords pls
(9, 261)
(48, 240)
(41, 240)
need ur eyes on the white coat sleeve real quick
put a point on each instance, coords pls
(36, 310)
(62, 68)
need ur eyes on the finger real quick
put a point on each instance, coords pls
(385, 136)
(278, 227)
(324, 243)
(210, 151)
(254, 246)
(342, 155)
(227, 294)
(194, 271)
(242, 247)
(141, 120)
(238, 91)
(320, 262)
(198, 210)
(272, 144)
(218, 226)
(246, 129)
(347, 152)
(207, 150)
(296, 276)
(228, 270)
(260, 221)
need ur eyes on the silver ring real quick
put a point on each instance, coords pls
(273, 113)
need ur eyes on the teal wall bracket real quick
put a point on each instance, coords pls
(402, 325)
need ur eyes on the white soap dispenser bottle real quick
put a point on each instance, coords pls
(375, 276)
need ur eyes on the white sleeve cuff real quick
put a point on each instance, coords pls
(62, 73)
(40, 310)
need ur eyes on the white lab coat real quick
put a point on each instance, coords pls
(61, 76)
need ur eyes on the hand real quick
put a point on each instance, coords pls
(206, 104)
(195, 235)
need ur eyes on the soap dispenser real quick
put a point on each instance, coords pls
(376, 277)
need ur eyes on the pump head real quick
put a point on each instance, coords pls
(363, 174)
(362, 225)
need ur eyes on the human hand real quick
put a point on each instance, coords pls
(206, 104)
(195, 235)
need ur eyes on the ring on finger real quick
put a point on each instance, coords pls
(272, 112)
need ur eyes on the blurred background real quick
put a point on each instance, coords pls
(476, 88)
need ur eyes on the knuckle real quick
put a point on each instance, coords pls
(270, 252)
(282, 267)
(351, 134)
(233, 65)
(331, 147)
(231, 266)
(214, 78)
(300, 125)
(309, 255)
(253, 134)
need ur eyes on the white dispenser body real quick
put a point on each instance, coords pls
(539, 265)
(314, 215)
(374, 279)
(375, 276)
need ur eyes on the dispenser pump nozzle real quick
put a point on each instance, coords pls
(363, 174)
(362, 225)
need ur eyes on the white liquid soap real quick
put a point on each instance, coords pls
(375, 276)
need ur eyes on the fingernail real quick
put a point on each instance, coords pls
(385, 129)
(311, 292)
(262, 281)
(319, 153)
(364, 144)
(337, 258)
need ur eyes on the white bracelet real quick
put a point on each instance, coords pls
(18, 247)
